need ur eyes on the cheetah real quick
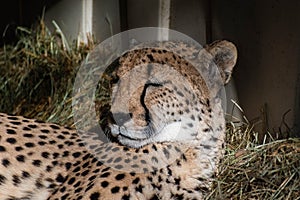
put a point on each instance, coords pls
(167, 134)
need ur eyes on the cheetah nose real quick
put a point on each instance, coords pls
(121, 118)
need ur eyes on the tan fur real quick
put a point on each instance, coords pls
(45, 161)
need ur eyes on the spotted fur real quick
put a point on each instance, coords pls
(168, 147)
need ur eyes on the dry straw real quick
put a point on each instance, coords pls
(37, 74)
(252, 169)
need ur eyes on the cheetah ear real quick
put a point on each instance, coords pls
(224, 55)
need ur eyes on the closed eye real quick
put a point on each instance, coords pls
(142, 99)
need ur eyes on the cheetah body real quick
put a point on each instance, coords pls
(168, 147)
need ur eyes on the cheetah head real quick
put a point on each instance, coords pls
(160, 96)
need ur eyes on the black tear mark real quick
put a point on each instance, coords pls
(142, 99)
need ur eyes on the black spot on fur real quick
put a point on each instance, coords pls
(77, 184)
(65, 196)
(54, 126)
(95, 196)
(2, 179)
(78, 190)
(20, 158)
(154, 159)
(55, 155)
(190, 125)
(139, 188)
(76, 154)
(26, 128)
(145, 151)
(154, 197)
(12, 118)
(104, 184)
(135, 166)
(125, 197)
(71, 181)
(60, 137)
(43, 137)
(63, 189)
(16, 180)
(41, 143)
(18, 148)
(206, 146)
(206, 130)
(154, 147)
(45, 154)
(177, 196)
(177, 181)
(150, 57)
(5, 162)
(54, 163)
(132, 173)
(11, 131)
(25, 174)
(104, 175)
(45, 131)
(68, 165)
(92, 178)
(2, 149)
(119, 159)
(120, 177)
(28, 135)
(166, 152)
(77, 169)
(115, 189)
(84, 173)
(11, 140)
(136, 180)
(49, 168)
(29, 144)
(60, 178)
(116, 149)
(86, 164)
(32, 126)
(37, 163)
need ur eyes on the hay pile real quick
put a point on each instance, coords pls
(251, 170)
(37, 74)
(36, 80)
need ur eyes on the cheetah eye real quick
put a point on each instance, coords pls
(130, 115)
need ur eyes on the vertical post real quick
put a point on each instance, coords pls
(164, 19)
(86, 21)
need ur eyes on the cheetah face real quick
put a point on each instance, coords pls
(167, 100)
(157, 112)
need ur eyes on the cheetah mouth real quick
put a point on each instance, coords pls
(139, 134)
(136, 137)
(136, 134)
(135, 142)
(130, 138)
(146, 135)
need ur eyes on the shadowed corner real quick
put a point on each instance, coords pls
(296, 126)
